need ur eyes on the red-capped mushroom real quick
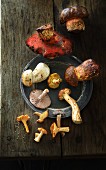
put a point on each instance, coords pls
(49, 43)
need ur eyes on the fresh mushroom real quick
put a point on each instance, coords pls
(49, 43)
(42, 116)
(39, 74)
(87, 70)
(38, 136)
(64, 94)
(73, 16)
(24, 119)
(58, 118)
(54, 80)
(40, 99)
(54, 129)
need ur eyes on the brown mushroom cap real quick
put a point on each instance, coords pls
(62, 92)
(42, 104)
(42, 130)
(70, 76)
(73, 12)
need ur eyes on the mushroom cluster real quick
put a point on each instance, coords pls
(50, 44)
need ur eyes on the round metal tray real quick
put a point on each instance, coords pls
(82, 93)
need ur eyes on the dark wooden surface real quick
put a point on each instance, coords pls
(19, 19)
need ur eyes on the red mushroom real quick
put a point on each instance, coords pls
(49, 43)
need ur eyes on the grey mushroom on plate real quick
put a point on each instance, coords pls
(40, 98)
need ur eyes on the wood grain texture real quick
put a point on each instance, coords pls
(20, 18)
(89, 138)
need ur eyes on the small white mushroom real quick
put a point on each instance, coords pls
(38, 136)
(40, 99)
(39, 74)
(64, 94)
(42, 116)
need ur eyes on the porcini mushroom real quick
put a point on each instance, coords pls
(24, 119)
(54, 129)
(54, 80)
(64, 94)
(73, 16)
(87, 70)
(38, 136)
(49, 43)
(39, 74)
(42, 116)
(40, 99)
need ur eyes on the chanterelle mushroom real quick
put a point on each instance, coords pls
(64, 94)
(54, 129)
(54, 80)
(39, 135)
(39, 74)
(24, 119)
(40, 99)
(42, 116)
(73, 16)
(87, 70)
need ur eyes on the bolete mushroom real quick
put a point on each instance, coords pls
(54, 80)
(40, 99)
(38, 136)
(64, 94)
(54, 129)
(42, 116)
(39, 74)
(49, 43)
(87, 70)
(24, 119)
(73, 16)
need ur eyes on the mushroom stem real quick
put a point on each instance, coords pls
(43, 94)
(38, 136)
(26, 126)
(59, 123)
(76, 117)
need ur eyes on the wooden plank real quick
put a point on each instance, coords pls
(19, 19)
(89, 138)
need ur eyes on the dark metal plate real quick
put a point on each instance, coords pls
(82, 93)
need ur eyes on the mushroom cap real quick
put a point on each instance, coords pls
(23, 117)
(27, 77)
(70, 76)
(42, 130)
(62, 92)
(54, 76)
(43, 103)
(73, 12)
